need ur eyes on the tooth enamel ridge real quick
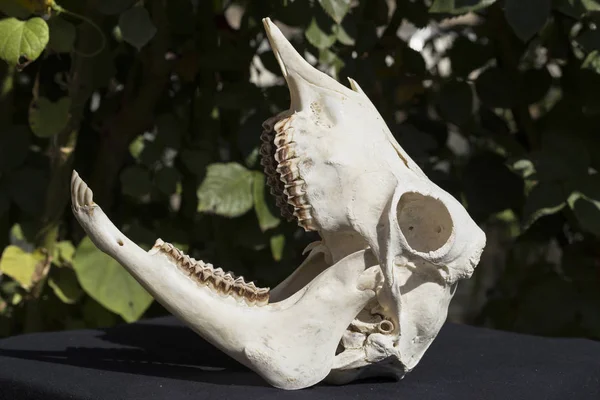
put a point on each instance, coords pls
(280, 162)
(224, 283)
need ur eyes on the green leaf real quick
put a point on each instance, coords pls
(527, 17)
(22, 41)
(20, 265)
(64, 252)
(456, 102)
(13, 8)
(108, 283)
(317, 37)
(136, 27)
(14, 146)
(62, 35)
(196, 161)
(343, 36)
(47, 119)
(496, 89)
(226, 190)
(336, 9)
(63, 282)
(266, 220)
(546, 198)
(587, 212)
(112, 7)
(459, 6)
(277, 246)
(135, 181)
(591, 5)
(167, 179)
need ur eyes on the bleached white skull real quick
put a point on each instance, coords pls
(371, 296)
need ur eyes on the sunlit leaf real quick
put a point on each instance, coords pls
(22, 41)
(20, 265)
(226, 190)
(266, 220)
(317, 37)
(107, 282)
(336, 9)
(459, 6)
(277, 246)
(64, 251)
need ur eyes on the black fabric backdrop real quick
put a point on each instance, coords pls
(161, 359)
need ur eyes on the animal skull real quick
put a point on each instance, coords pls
(371, 296)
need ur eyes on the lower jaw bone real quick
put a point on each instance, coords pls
(291, 343)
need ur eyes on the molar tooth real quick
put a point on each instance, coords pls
(284, 138)
(262, 296)
(287, 165)
(266, 136)
(283, 124)
(284, 153)
(303, 213)
(295, 190)
(289, 175)
(206, 274)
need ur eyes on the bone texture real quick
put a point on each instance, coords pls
(371, 296)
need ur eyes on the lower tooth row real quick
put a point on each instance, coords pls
(223, 282)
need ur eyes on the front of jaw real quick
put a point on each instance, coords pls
(290, 343)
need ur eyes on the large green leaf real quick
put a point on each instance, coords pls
(317, 37)
(107, 282)
(266, 220)
(63, 282)
(20, 265)
(226, 190)
(527, 17)
(137, 27)
(336, 9)
(46, 118)
(62, 35)
(22, 41)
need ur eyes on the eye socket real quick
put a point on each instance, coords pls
(425, 221)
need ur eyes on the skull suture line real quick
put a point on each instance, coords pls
(371, 296)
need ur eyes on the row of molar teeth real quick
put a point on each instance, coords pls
(287, 167)
(269, 164)
(224, 283)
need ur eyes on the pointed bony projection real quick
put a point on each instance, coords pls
(332, 163)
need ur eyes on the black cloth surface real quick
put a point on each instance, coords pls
(161, 359)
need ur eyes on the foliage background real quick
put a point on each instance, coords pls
(160, 114)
